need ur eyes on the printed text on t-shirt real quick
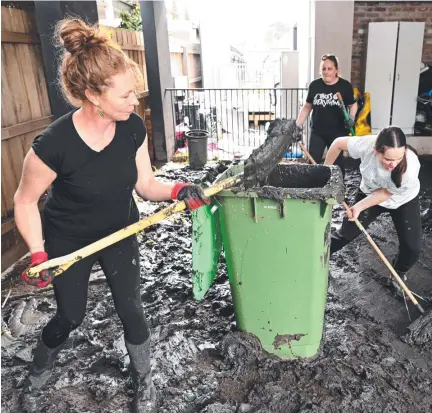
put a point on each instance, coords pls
(326, 99)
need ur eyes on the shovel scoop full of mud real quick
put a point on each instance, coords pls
(282, 133)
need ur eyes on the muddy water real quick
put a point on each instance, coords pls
(202, 364)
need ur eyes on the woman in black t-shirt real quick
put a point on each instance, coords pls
(92, 158)
(327, 121)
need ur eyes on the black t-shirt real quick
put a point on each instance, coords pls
(92, 194)
(327, 117)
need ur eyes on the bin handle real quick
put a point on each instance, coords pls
(254, 209)
(282, 209)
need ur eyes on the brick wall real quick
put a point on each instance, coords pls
(372, 11)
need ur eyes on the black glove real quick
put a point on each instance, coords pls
(349, 123)
(193, 195)
(298, 134)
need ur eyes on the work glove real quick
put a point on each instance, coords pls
(349, 123)
(45, 277)
(193, 195)
(298, 133)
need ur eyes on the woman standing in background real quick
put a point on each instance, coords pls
(328, 121)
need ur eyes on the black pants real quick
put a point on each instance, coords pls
(317, 145)
(120, 263)
(406, 220)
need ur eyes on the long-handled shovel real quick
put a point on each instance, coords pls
(260, 163)
(61, 264)
(372, 242)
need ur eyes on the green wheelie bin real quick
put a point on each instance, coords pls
(276, 240)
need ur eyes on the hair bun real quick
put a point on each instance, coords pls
(77, 36)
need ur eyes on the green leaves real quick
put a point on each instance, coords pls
(131, 20)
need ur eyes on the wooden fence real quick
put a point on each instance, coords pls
(25, 107)
(26, 110)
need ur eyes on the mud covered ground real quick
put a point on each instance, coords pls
(202, 364)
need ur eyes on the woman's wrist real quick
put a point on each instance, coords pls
(36, 248)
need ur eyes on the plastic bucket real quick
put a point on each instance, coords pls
(197, 144)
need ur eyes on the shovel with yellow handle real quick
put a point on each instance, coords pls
(259, 164)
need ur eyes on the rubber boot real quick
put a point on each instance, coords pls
(394, 284)
(40, 372)
(144, 400)
(396, 287)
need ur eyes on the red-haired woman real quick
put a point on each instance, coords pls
(93, 158)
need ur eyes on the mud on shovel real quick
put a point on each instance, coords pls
(374, 245)
(261, 162)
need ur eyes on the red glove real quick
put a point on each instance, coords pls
(193, 195)
(46, 276)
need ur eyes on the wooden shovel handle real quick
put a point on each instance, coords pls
(61, 264)
(372, 242)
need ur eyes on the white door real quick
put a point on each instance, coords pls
(408, 59)
(380, 66)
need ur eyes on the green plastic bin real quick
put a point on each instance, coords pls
(206, 248)
(276, 241)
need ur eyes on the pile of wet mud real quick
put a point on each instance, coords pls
(201, 363)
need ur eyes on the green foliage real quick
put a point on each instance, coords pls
(132, 20)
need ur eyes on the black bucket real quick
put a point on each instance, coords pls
(197, 144)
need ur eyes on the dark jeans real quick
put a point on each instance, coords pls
(120, 263)
(317, 145)
(406, 220)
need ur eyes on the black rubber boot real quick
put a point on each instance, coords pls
(40, 372)
(144, 400)
(394, 284)
(396, 287)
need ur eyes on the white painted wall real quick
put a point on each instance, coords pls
(290, 79)
(305, 41)
(422, 144)
(215, 47)
(334, 22)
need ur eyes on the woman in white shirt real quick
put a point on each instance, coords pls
(389, 169)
